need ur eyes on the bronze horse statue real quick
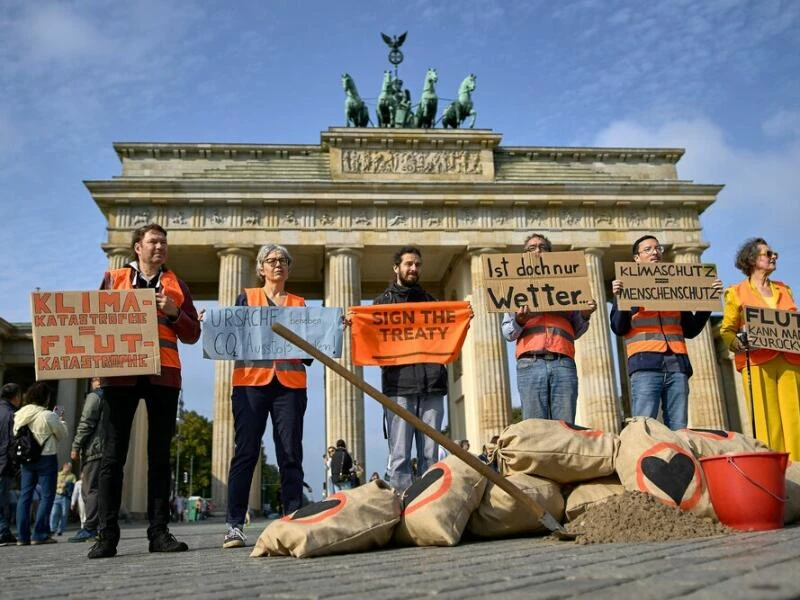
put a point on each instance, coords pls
(386, 102)
(426, 109)
(355, 109)
(462, 108)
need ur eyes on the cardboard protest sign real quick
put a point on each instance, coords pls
(552, 281)
(245, 332)
(773, 329)
(95, 333)
(409, 333)
(668, 286)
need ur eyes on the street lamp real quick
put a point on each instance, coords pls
(178, 423)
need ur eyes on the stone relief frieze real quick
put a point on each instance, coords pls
(603, 217)
(369, 162)
(142, 217)
(217, 217)
(635, 217)
(537, 216)
(668, 220)
(178, 217)
(397, 218)
(468, 216)
(326, 218)
(362, 218)
(290, 216)
(571, 217)
(252, 218)
(432, 218)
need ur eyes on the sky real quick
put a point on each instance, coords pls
(720, 78)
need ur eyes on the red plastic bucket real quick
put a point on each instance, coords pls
(748, 489)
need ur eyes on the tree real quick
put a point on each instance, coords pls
(516, 414)
(194, 438)
(270, 483)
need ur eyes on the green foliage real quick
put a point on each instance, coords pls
(194, 438)
(516, 414)
(270, 482)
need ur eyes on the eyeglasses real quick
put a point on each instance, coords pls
(652, 250)
(769, 254)
(535, 247)
(283, 261)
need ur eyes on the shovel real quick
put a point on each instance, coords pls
(504, 484)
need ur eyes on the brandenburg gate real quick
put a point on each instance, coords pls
(343, 206)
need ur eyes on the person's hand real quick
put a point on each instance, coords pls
(347, 321)
(736, 345)
(592, 306)
(471, 313)
(201, 315)
(717, 285)
(616, 286)
(167, 305)
(74, 455)
(522, 315)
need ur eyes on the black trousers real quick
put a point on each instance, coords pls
(120, 404)
(251, 408)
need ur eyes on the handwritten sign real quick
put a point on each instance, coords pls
(95, 333)
(245, 332)
(668, 286)
(773, 329)
(409, 333)
(552, 281)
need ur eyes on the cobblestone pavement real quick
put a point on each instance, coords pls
(761, 565)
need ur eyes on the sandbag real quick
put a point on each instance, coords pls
(713, 442)
(588, 493)
(500, 514)
(348, 521)
(655, 460)
(437, 506)
(556, 450)
(791, 513)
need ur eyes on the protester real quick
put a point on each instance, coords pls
(419, 388)
(59, 514)
(48, 428)
(775, 375)
(374, 477)
(87, 445)
(10, 399)
(547, 378)
(77, 504)
(262, 388)
(326, 459)
(655, 342)
(177, 320)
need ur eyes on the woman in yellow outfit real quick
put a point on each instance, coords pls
(775, 375)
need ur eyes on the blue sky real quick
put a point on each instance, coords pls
(719, 78)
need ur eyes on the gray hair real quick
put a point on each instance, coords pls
(547, 243)
(265, 251)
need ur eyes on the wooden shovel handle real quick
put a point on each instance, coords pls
(504, 484)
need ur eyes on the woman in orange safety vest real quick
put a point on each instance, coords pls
(266, 388)
(775, 374)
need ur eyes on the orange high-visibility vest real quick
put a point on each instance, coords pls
(291, 373)
(655, 331)
(121, 279)
(547, 332)
(746, 295)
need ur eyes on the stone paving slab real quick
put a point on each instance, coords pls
(763, 566)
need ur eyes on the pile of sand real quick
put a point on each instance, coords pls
(639, 517)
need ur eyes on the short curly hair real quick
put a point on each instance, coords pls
(747, 255)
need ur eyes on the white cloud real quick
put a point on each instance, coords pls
(782, 124)
(58, 32)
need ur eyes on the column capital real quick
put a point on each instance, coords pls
(691, 248)
(226, 250)
(116, 250)
(343, 251)
(478, 250)
(594, 249)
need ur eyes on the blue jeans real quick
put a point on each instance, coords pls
(252, 406)
(59, 514)
(548, 389)
(44, 472)
(5, 505)
(430, 409)
(667, 390)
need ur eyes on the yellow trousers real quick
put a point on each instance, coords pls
(776, 402)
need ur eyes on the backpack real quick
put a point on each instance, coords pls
(341, 465)
(26, 449)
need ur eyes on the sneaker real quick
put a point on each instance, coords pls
(47, 540)
(7, 539)
(103, 549)
(84, 535)
(166, 542)
(235, 538)
(21, 543)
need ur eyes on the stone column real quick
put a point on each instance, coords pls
(236, 271)
(344, 403)
(706, 404)
(489, 358)
(118, 256)
(598, 402)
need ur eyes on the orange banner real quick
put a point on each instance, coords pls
(405, 334)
